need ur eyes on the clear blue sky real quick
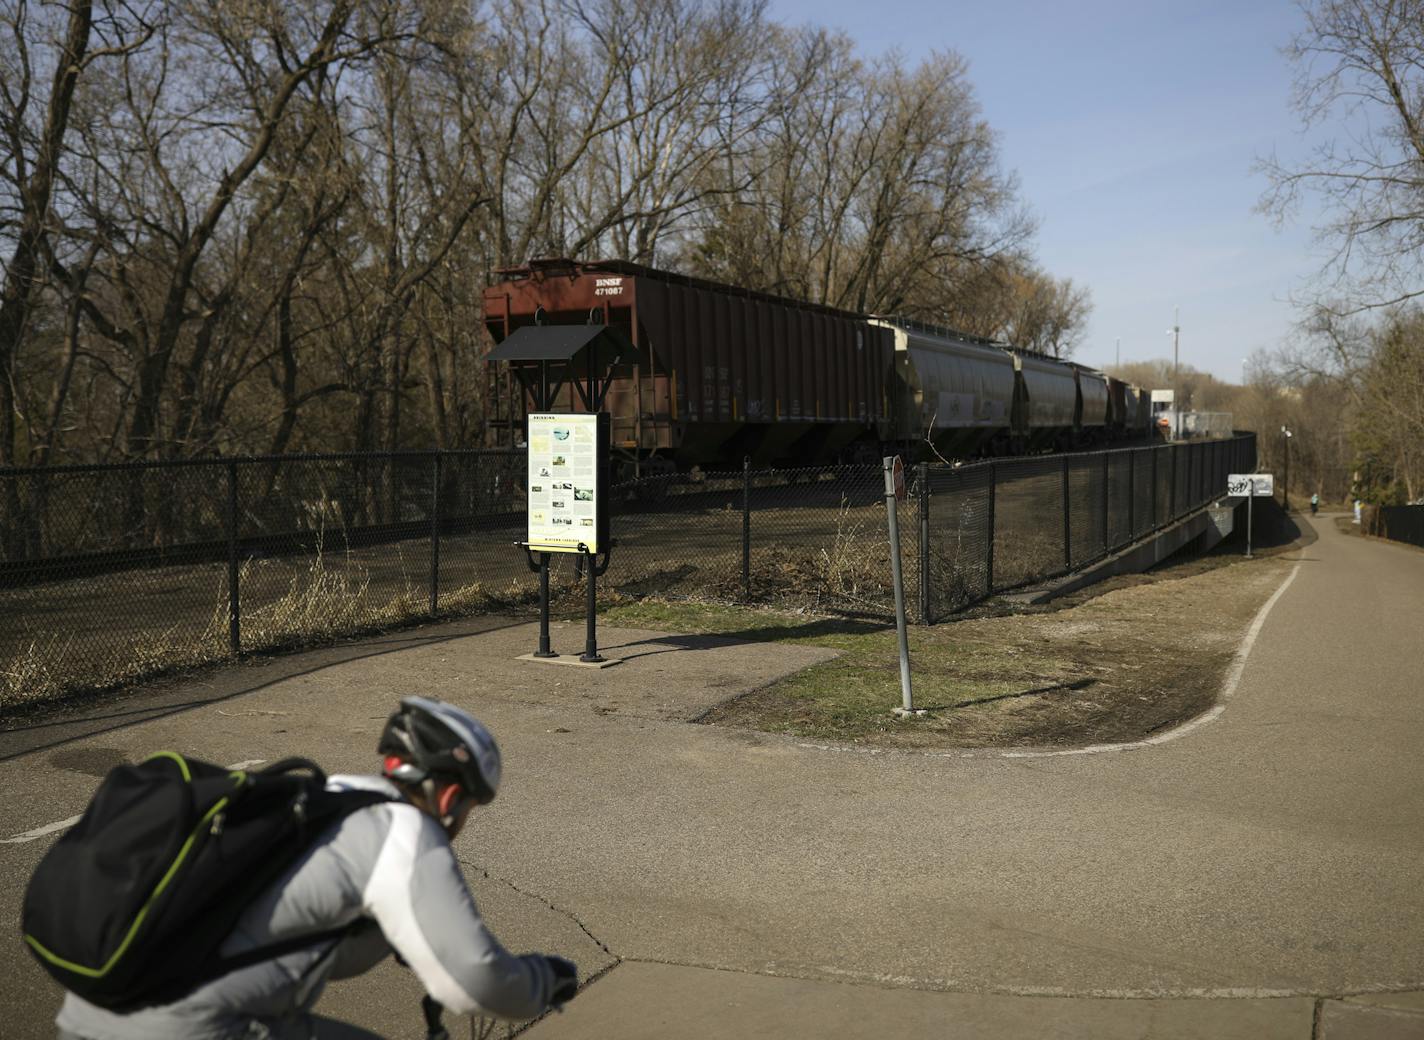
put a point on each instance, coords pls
(1133, 127)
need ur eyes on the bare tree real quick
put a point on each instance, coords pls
(34, 124)
(871, 185)
(1360, 72)
(265, 227)
(169, 178)
(764, 232)
(1389, 428)
(1043, 313)
(690, 77)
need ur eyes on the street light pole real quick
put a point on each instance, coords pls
(1285, 488)
(1176, 387)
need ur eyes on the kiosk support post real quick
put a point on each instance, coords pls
(544, 650)
(590, 642)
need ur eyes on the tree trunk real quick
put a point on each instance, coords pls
(22, 275)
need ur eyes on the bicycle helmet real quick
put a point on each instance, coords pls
(426, 742)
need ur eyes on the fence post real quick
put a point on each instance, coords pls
(234, 603)
(1067, 520)
(1186, 504)
(746, 527)
(435, 531)
(989, 555)
(1155, 525)
(1131, 494)
(1172, 502)
(1193, 475)
(924, 476)
(1107, 500)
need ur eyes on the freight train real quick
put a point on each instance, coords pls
(717, 374)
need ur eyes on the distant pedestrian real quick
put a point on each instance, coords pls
(1314, 503)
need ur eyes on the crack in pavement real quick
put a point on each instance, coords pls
(519, 1030)
(556, 909)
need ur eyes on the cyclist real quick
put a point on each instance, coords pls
(389, 870)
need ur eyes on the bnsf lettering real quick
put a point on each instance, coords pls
(608, 287)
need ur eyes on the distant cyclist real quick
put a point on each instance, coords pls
(387, 868)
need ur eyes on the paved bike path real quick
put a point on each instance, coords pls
(1242, 872)
(724, 883)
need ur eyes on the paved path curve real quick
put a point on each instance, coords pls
(1273, 853)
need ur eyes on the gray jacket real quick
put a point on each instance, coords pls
(390, 864)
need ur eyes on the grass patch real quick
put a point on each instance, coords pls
(970, 686)
(1114, 668)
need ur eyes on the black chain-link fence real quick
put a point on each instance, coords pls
(805, 537)
(1397, 523)
(994, 526)
(108, 573)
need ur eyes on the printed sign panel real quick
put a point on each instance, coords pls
(565, 477)
(1239, 485)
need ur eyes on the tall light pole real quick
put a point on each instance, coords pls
(1117, 357)
(1176, 332)
(1285, 487)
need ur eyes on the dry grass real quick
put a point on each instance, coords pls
(856, 567)
(849, 571)
(320, 601)
(29, 675)
(45, 670)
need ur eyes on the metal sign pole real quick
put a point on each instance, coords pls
(1250, 504)
(908, 707)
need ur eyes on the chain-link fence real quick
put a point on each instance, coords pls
(811, 537)
(1397, 523)
(994, 526)
(108, 573)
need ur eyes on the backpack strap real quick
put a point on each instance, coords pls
(353, 801)
(272, 951)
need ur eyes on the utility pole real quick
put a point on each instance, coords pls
(1117, 357)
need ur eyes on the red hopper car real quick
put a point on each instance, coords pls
(720, 373)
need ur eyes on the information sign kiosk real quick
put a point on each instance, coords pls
(568, 477)
(568, 453)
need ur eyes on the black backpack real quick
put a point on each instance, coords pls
(130, 907)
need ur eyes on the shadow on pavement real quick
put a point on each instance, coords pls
(56, 725)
